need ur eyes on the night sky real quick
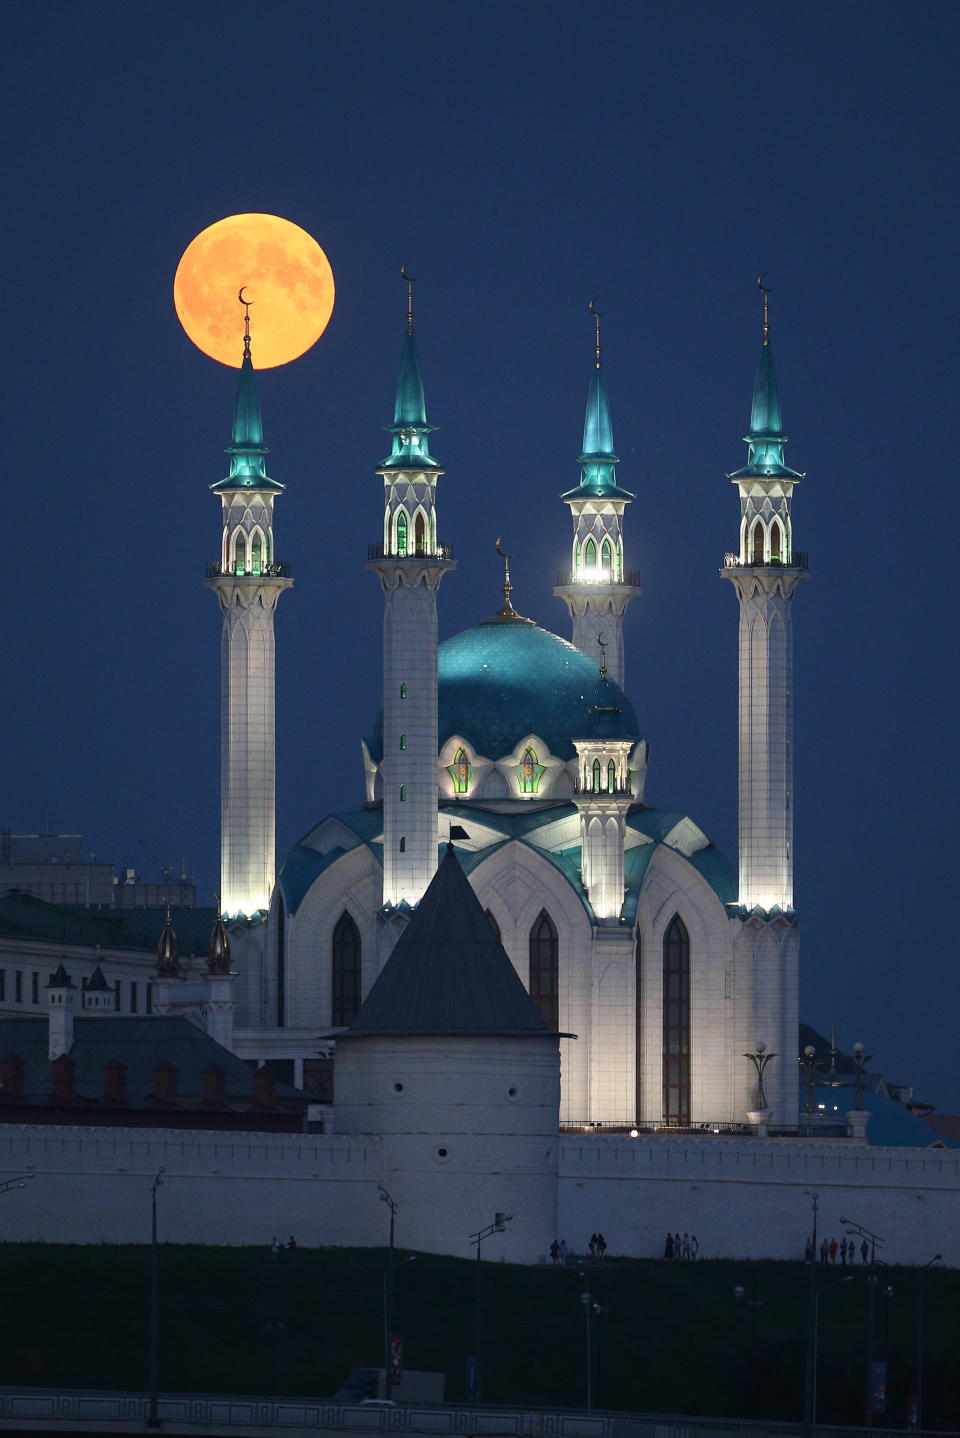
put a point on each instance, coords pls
(521, 158)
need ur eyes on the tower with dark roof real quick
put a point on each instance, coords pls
(450, 1064)
(598, 588)
(248, 581)
(410, 562)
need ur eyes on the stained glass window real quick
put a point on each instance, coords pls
(590, 554)
(461, 776)
(403, 741)
(596, 776)
(611, 777)
(403, 691)
(256, 557)
(240, 553)
(403, 793)
(544, 969)
(529, 775)
(676, 1024)
(606, 555)
(345, 972)
(402, 534)
(758, 543)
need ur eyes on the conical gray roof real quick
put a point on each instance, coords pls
(449, 974)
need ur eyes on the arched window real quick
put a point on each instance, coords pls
(403, 741)
(544, 969)
(758, 543)
(403, 843)
(776, 542)
(240, 555)
(402, 534)
(606, 555)
(345, 972)
(403, 691)
(611, 777)
(676, 1024)
(576, 559)
(530, 772)
(596, 776)
(590, 555)
(256, 555)
(493, 924)
(419, 535)
(403, 793)
(461, 772)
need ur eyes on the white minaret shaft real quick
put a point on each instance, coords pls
(765, 573)
(410, 565)
(597, 588)
(248, 582)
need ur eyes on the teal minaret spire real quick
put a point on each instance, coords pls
(765, 571)
(410, 563)
(248, 582)
(597, 588)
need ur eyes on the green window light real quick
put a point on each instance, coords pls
(402, 535)
(403, 741)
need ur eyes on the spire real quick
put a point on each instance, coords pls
(218, 949)
(246, 449)
(598, 459)
(766, 438)
(168, 951)
(411, 449)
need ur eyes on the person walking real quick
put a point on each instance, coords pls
(833, 1250)
(677, 1246)
(686, 1245)
(864, 1250)
(554, 1252)
(593, 1245)
(824, 1251)
(601, 1245)
(563, 1250)
(668, 1246)
(694, 1245)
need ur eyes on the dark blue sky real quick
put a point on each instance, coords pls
(521, 158)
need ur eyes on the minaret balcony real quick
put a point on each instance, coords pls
(798, 560)
(216, 570)
(590, 578)
(438, 551)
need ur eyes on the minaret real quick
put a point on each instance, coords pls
(603, 796)
(247, 581)
(598, 588)
(765, 572)
(410, 564)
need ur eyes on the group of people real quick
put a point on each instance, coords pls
(846, 1249)
(560, 1253)
(686, 1247)
(277, 1245)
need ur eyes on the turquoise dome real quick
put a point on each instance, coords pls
(502, 680)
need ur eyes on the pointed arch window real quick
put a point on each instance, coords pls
(403, 793)
(403, 843)
(402, 534)
(545, 969)
(403, 741)
(529, 772)
(240, 555)
(611, 777)
(590, 555)
(346, 972)
(606, 556)
(256, 553)
(676, 1024)
(420, 534)
(776, 543)
(460, 772)
(596, 776)
(403, 691)
(758, 543)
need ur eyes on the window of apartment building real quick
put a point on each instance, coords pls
(18, 986)
(34, 988)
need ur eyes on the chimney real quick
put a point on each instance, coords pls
(215, 1085)
(115, 1081)
(165, 1082)
(62, 1073)
(11, 1069)
(265, 1088)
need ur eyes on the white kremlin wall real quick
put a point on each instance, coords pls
(742, 1197)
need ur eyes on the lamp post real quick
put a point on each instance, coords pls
(754, 1304)
(810, 1064)
(153, 1416)
(389, 1276)
(388, 1294)
(8, 1185)
(500, 1221)
(838, 1283)
(873, 1239)
(589, 1308)
(921, 1274)
(809, 1398)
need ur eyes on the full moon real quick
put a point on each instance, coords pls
(283, 273)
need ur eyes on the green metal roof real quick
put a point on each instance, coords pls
(766, 438)
(597, 459)
(246, 449)
(24, 916)
(410, 430)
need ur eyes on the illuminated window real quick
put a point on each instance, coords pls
(590, 554)
(529, 772)
(403, 691)
(345, 972)
(419, 534)
(460, 772)
(544, 969)
(403, 793)
(256, 554)
(676, 1024)
(758, 543)
(611, 777)
(576, 559)
(620, 562)
(240, 554)
(402, 534)
(776, 543)
(596, 776)
(606, 555)
(403, 741)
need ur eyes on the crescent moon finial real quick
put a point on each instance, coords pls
(603, 656)
(246, 319)
(508, 610)
(592, 307)
(410, 282)
(765, 290)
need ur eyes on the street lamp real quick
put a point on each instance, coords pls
(838, 1283)
(921, 1274)
(500, 1221)
(809, 1401)
(857, 1229)
(388, 1294)
(153, 1416)
(22, 1179)
(754, 1304)
(388, 1319)
(589, 1308)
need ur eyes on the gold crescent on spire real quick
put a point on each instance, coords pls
(508, 610)
(246, 318)
(603, 656)
(410, 282)
(592, 307)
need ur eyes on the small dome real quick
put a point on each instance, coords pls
(605, 716)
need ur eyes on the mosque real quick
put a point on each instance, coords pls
(626, 925)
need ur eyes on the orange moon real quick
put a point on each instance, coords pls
(284, 274)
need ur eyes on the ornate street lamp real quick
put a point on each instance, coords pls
(810, 1064)
(760, 1058)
